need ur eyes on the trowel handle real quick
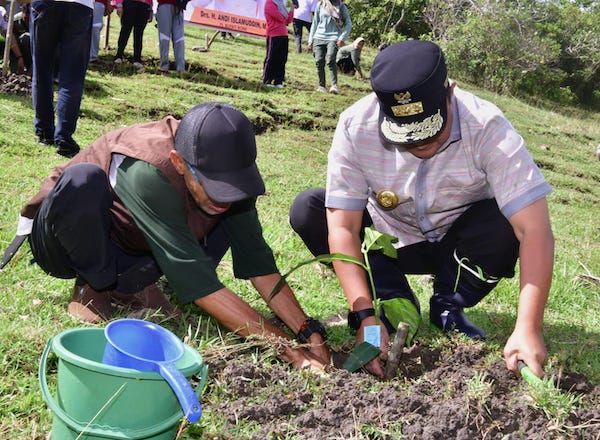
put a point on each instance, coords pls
(183, 390)
(527, 374)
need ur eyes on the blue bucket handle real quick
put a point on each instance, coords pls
(105, 431)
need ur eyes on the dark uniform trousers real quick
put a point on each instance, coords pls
(478, 249)
(71, 236)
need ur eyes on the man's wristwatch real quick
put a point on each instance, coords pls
(356, 317)
(309, 327)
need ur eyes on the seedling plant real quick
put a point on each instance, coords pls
(400, 312)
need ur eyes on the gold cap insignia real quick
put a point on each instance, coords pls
(402, 97)
(387, 199)
(414, 108)
(414, 131)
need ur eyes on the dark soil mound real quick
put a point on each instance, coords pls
(15, 84)
(455, 394)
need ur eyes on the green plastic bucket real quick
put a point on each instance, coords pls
(98, 401)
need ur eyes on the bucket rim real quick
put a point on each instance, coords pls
(58, 347)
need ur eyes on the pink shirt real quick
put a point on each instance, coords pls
(276, 23)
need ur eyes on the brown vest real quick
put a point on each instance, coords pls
(152, 143)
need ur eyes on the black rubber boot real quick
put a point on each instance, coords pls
(447, 316)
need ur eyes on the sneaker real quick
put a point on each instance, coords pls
(138, 65)
(118, 60)
(321, 89)
(333, 89)
(164, 70)
(88, 305)
(67, 148)
(268, 85)
(44, 139)
(279, 86)
(149, 298)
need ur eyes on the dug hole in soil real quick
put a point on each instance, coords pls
(429, 399)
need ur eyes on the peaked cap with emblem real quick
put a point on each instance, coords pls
(411, 83)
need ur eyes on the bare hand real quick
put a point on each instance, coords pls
(376, 366)
(20, 66)
(319, 348)
(527, 346)
(301, 358)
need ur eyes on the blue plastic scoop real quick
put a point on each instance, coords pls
(145, 346)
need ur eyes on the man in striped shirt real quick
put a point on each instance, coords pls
(446, 174)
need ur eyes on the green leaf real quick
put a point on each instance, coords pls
(362, 354)
(398, 310)
(323, 258)
(375, 240)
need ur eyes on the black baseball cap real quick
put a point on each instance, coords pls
(410, 80)
(218, 141)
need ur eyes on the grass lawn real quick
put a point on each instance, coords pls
(294, 126)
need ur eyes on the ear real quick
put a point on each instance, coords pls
(451, 91)
(177, 161)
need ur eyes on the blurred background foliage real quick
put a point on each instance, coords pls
(543, 51)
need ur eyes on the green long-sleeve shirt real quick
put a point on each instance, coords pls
(159, 213)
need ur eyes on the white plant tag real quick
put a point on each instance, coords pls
(373, 335)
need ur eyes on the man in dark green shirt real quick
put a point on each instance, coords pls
(166, 198)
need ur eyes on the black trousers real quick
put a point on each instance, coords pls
(71, 236)
(135, 17)
(275, 60)
(346, 66)
(481, 239)
(298, 25)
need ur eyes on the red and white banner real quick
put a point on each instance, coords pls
(240, 16)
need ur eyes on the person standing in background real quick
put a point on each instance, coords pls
(135, 15)
(169, 19)
(101, 9)
(330, 27)
(303, 19)
(278, 17)
(20, 50)
(66, 26)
